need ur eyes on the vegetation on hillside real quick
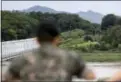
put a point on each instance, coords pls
(21, 25)
(77, 33)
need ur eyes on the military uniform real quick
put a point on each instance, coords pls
(47, 63)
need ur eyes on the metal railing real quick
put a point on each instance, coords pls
(10, 49)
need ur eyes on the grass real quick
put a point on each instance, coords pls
(101, 57)
(90, 51)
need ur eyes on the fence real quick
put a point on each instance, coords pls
(11, 48)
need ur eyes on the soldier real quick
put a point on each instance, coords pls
(48, 62)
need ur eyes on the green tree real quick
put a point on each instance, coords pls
(113, 36)
(108, 21)
(24, 25)
(17, 25)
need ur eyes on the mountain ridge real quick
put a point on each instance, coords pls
(90, 15)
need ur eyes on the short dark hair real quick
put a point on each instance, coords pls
(47, 31)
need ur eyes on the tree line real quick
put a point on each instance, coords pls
(20, 25)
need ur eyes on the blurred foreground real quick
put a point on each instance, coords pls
(102, 70)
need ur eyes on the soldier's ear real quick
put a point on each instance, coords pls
(57, 40)
(37, 41)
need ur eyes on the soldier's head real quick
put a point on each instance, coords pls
(48, 32)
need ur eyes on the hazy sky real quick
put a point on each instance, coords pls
(103, 7)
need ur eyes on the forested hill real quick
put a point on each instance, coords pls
(21, 25)
(75, 31)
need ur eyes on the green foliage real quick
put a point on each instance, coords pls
(76, 33)
(88, 38)
(80, 45)
(87, 46)
(110, 20)
(96, 29)
(24, 24)
(97, 37)
(113, 36)
(104, 46)
(90, 43)
(119, 46)
(17, 25)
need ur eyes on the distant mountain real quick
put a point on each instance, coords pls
(91, 16)
(41, 9)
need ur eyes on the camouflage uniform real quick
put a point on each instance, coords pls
(47, 63)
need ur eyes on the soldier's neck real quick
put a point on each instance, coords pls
(47, 44)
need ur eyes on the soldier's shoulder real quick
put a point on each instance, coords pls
(73, 53)
(31, 51)
(24, 54)
(69, 53)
